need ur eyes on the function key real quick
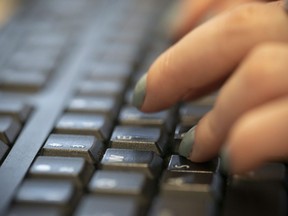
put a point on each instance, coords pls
(139, 138)
(147, 162)
(87, 147)
(84, 124)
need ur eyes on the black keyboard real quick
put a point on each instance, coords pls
(71, 143)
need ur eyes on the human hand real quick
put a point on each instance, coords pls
(187, 14)
(247, 50)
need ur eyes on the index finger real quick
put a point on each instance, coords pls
(203, 59)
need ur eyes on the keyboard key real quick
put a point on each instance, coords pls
(102, 206)
(84, 124)
(190, 113)
(184, 207)
(111, 71)
(19, 81)
(3, 150)
(188, 185)
(139, 138)
(269, 172)
(20, 210)
(178, 163)
(255, 198)
(87, 147)
(49, 192)
(16, 109)
(93, 105)
(76, 169)
(132, 116)
(34, 60)
(119, 183)
(100, 88)
(9, 129)
(147, 162)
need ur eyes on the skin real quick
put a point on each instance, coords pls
(247, 53)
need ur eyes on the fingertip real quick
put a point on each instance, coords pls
(139, 92)
(186, 145)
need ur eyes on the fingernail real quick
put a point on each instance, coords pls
(186, 145)
(139, 92)
(224, 162)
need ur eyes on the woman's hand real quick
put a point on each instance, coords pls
(247, 50)
(186, 14)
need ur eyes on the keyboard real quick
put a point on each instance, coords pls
(71, 143)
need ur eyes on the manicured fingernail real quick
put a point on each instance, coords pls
(186, 145)
(139, 92)
(225, 162)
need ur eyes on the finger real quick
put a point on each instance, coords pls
(259, 136)
(207, 56)
(261, 78)
(187, 16)
(192, 13)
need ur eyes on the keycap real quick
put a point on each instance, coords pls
(190, 113)
(255, 198)
(184, 207)
(19, 81)
(119, 183)
(118, 52)
(178, 163)
(18, 110)
(139, 138)
(93, 105)
(36, 59)
(3, 150)
(20, 210)
(9, 129)
(76, 169)
(132, 116)
(102, 71)
(84, 124)
(147, 162)
(66, 145)
(269, 172)
(61, 193)
(100, 88)
(188, 185)
(95, 205)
